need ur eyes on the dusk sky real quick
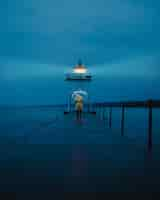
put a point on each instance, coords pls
(61, 31)
(40, 37)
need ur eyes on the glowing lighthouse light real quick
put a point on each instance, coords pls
(80, 69)
(79, 72)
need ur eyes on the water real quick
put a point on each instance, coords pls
(50, 87)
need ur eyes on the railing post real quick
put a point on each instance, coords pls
(98, 110)
(93, 108)
(150, 116)
(103, 113)
(70, 103)
(110, 117)
(89, 107)
(122, 121)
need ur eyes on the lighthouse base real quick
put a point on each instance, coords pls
(72, 77)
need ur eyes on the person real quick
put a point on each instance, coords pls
(79, 106)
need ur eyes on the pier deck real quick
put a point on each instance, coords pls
(48, 151)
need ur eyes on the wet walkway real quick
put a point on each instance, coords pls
(59, 153)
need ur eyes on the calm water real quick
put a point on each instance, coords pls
(50, 88)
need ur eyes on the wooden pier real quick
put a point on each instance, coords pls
(101, 107)
(149, 104)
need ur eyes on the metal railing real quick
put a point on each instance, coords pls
(92, 108)
(149, 104)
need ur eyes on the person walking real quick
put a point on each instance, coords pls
(79, 106)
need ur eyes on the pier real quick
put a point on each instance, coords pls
(148, 104)
(45, 146)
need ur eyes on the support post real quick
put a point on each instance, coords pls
(103, 113)
(110, 117)
(70, 103)
(102, 109)
(150, 119)
(122, 121)
(93, 108)
(88, 104)
(88, 107)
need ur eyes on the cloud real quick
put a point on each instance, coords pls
(61, 31)
(59, 15)
(140, 66)
(24, 70)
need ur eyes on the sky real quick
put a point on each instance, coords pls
(118, 38)
(61, 31)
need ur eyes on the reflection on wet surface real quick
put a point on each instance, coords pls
(46, 152)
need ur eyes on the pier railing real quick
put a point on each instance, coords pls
(123, 105)
(149, 104)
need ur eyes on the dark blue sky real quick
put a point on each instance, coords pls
(61, 31)
(40, 38)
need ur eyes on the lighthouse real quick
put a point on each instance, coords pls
(79, 72)
(80, 68)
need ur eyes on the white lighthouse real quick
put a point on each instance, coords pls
(79, 72)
